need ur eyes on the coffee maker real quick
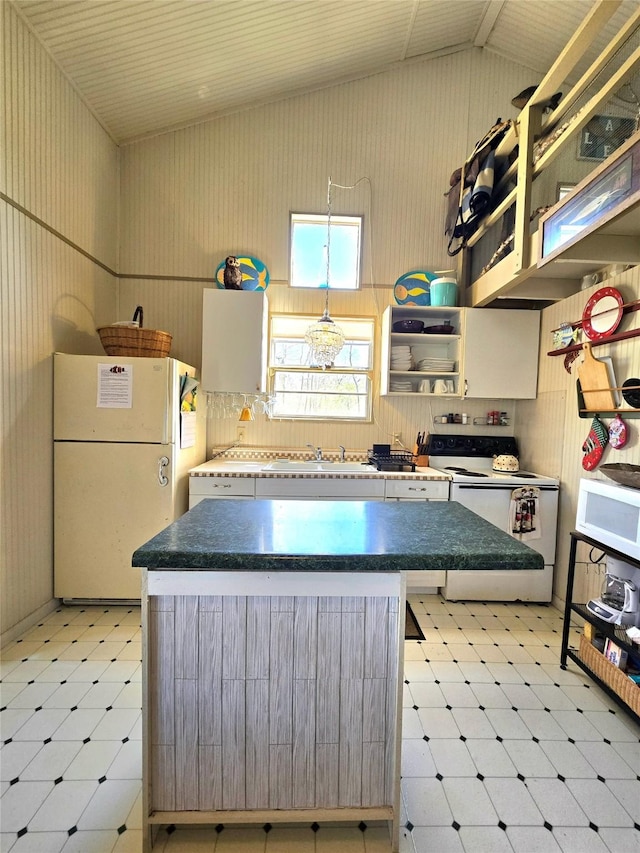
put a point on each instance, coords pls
(619, 602)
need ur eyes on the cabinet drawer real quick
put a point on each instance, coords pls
(320, 487)
(418, 490)
(222, 487)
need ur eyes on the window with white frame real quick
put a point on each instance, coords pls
(343, 392)
(309, 251)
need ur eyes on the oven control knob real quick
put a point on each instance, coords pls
(438, 444)
(451, 442)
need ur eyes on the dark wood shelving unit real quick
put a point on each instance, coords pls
(607, 629)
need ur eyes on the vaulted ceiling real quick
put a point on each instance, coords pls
(144, 66)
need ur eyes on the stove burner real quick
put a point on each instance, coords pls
(465, 471)
(524, 474)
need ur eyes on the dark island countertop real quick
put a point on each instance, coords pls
(333, 536)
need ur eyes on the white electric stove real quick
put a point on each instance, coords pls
(529, 515)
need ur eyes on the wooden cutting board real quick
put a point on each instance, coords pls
(595, 384)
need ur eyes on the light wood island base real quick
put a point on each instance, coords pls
(282, 705)
(272, 656)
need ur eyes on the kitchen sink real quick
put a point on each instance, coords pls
(320, 467)
(217, 465)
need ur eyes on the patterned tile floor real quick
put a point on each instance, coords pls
(502, 750)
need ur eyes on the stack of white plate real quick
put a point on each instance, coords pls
(401, 358)
(400, 385)
(435, 365)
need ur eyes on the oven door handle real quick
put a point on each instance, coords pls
(504, 488)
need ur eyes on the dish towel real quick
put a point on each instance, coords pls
(524, 514)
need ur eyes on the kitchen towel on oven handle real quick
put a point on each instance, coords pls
(524, 514)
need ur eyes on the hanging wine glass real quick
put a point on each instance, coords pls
(246, 412)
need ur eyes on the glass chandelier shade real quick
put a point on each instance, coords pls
(325, 338)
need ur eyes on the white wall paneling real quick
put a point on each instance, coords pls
(196, 195)
(58, 163)
(59, 166)
(168, 209)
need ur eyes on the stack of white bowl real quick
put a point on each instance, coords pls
(401, 358)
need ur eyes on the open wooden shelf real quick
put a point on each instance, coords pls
(617, 336)
(582, 245)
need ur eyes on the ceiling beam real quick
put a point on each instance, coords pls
(410, 26)
(487, 21)
(591, 27)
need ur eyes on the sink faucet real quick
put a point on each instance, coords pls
(342, 452)
(317, 451)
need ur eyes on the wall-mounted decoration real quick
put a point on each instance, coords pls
(255, 275)
(565, 335)
(602, 135)
(412, 288)
(602, 313)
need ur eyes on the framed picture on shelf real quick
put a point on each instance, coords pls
(602, 135)
(563, 188)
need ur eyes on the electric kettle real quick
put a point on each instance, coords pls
(506, 463)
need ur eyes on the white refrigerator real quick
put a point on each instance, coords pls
(122, 453)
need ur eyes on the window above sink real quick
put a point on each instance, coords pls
(303, 391)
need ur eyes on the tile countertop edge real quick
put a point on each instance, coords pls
(227, 470)
(281, 535)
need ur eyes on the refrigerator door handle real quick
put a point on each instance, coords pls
(162, 464)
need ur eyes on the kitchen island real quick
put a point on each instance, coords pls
(272, 654)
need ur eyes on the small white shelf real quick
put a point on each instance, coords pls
(422, 345)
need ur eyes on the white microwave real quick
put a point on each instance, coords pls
(610, 514)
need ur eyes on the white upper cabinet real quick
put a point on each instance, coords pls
(483, 353)
(234, 340)
(501, 353)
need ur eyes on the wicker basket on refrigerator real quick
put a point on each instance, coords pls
(130, 340)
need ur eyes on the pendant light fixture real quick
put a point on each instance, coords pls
(325, 338)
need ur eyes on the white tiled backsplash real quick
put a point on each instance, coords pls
(266, 454)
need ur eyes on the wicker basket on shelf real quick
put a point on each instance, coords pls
(132, 340)
(608, 672)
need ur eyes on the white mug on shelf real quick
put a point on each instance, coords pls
(425, 386)
(440, 386)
